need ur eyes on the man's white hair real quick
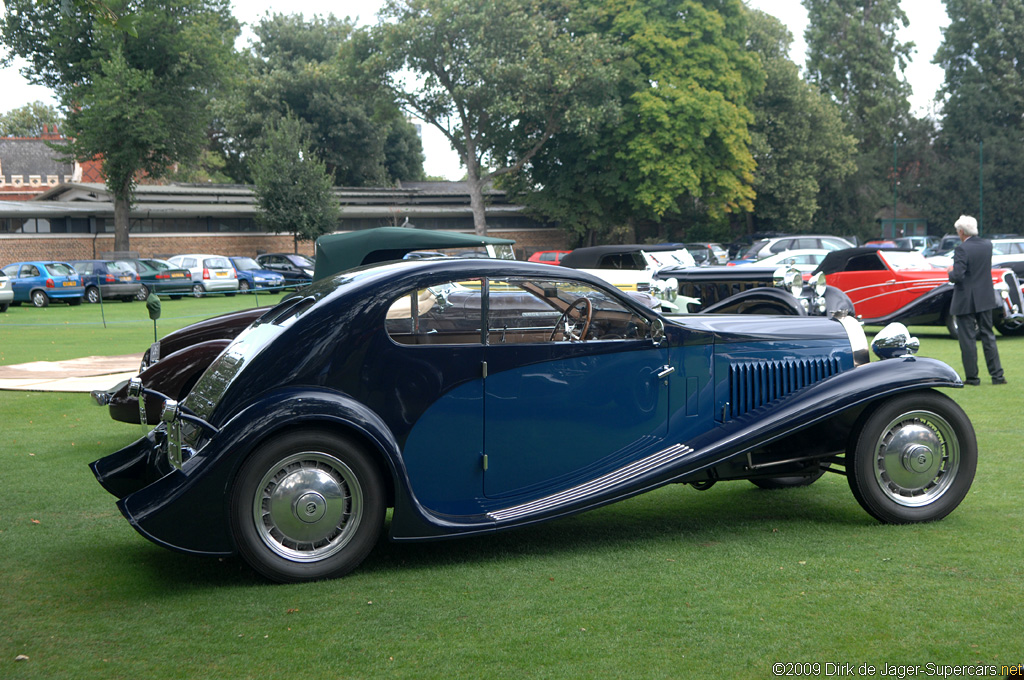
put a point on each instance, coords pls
(967, 224)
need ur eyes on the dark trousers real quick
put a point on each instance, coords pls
(969, 328)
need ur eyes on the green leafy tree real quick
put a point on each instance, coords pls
(139, 104)
(293, 187)
(498, 78)
(29, 120)
(798, 138)
(681, 146)
(312, 69)
(982, 54)
(853, 56)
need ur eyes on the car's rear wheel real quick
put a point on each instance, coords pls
(92, 295)
(143, 293)
(74, 302)
(952, 326)
(307, 505)
(913, 460)
(197, 290)
(40, 299)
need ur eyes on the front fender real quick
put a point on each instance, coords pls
(168, 510)
(758, 301)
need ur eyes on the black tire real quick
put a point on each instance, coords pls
(92, 295)
(951, 326)
(130, 298)
(1009, 331)
(143, 293)
(243, 286)
(913, 459)
(334, 485)
(197, 290)
(175, 297)
(40, 299)
(3, 307)
(789, 482)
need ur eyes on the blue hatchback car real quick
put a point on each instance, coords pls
(252, 276)
(40, 282)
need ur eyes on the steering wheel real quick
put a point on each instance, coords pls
(585, 312)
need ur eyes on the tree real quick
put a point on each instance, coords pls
(798, 138)
(139, 104)
(29, 120)
(983, 95)
(853, 56)
(312, 69)
(293, 188)
(497, 77)
(681, 147)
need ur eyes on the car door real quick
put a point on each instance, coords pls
(29, 277)
(871, 285)
(559, 411)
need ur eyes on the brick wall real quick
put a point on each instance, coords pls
(20, 247)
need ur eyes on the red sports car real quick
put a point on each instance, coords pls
(889, 285)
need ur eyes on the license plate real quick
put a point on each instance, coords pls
(126, 278)
(179, 275)
(222, 274)
(69, 283)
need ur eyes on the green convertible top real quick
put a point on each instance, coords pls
(339, 252)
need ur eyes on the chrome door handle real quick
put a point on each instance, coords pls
(666, 371)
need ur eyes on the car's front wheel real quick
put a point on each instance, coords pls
(913, 459)
(307, 505)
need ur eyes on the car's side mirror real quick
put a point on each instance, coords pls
(658, 332)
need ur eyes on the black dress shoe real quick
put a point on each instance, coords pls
(972, 381)
(998, 381)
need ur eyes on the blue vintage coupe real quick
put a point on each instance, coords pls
(477, 395)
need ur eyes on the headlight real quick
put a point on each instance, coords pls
(819, 284)
(894, 341)
(789, 278)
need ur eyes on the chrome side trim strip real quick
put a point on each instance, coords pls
(663, 457)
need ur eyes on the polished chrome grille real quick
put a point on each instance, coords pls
(753, 384)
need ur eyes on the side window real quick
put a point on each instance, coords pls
(781, 245)
(29, 270)
(446, 314)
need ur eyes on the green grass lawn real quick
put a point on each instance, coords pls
(675, 583)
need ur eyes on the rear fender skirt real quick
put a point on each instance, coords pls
(187, 510)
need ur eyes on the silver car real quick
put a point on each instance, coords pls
(210, 273)
(6, 292)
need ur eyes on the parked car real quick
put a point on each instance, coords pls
(770, 246)
(173, 364)
(108, 279)
(210, 273)
(1008, 253)
(6, 292)
(42, 281)
(899, 285)
(163, 278)
(705, 254)
(296, 269)
(804, 260)
(634, 267)
(548, 256)
(251, 276)
(921, 243)
(444, 389)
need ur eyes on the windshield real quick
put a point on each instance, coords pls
(906, 260)
(301, 261)
(245, 263)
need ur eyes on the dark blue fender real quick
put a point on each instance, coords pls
(165, 511)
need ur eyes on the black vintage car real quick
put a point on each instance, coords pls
(711, 290)
(477, 395)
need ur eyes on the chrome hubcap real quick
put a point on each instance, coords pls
(916, 458)
(308, 507)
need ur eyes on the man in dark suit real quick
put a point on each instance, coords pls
(974, 298)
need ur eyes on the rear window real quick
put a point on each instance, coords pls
(60, 269)
(216, 263)
(120, 267)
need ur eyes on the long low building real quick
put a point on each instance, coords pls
(75, 220)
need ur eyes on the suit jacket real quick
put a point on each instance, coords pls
(972, 277)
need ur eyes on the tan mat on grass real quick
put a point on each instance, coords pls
(72, 375)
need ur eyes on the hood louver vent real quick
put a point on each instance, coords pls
(753, 384)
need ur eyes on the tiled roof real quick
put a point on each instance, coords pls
(28, 157)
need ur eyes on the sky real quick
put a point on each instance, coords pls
(927, 19)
